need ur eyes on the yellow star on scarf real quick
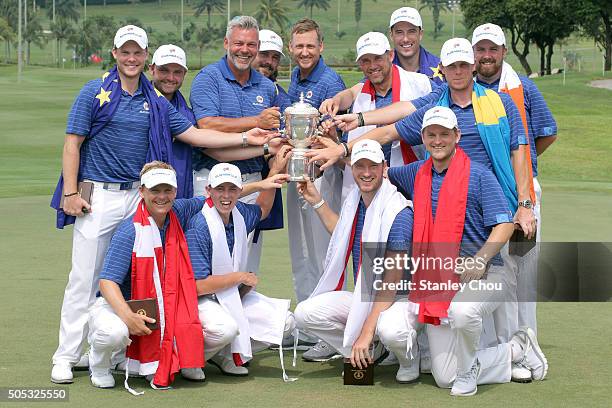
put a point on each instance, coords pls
(107, 73)
(159, 94)
(436, 72)
(103, 96)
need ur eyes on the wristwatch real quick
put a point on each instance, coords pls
(526, 203)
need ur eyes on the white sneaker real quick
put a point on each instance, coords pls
(409, 373)
(119, 369)
(379, 352)
(102, 380)
(193, 374)
(465, 384)
(228, 367)
(321, 352)
(533, 358)
(83, 364)
(520, 373)
(61, 374)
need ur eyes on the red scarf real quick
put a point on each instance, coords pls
(182, 345)
(407, 153)
(439, 238)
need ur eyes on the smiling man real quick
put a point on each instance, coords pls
(116, 124)
(406, 31)
(267, 62)
(168, 69)
(463, 216)
(373, 212)
(237, 320)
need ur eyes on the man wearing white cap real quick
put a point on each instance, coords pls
(493, 72)
(116, 124)
(385, 84)
(462, 216)
(373, 212)
(267, 61)
(156, 230)
(406, 30)
(237, 321)
(168, 69)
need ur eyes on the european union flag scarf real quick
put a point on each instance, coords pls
(104, 106)
(494, 131)
(182, 152)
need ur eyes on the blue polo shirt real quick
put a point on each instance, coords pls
(200, 243)
(117, 265)
(409, 128)
(428, 65)
(486, 204)
(282, 98)
(118, 152)
(399, 239)
(540, 121)
(322, 83)
(215, 92)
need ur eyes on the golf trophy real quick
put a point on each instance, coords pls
(301, 122)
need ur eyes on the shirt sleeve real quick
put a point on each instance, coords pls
(204, 96)
(200, 246)
(430, 98)
(494, 206)
(118, 260)
(251, 214)
(185, 208)
(79, 118)
(402, 177)
(409, 128)
(334, 87)
(541, 121)
(400, 234)
(178, 123)
(517, 130)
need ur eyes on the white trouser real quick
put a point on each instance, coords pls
(217, 322)
(91, 237)
(308, 238)
(200, 181)
(527, 269)
(324, 316)
(454, 346)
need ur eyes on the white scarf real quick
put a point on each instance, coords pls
(509, 79)
(252, 312)
(379, 217)
(413, 86)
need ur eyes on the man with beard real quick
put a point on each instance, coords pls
(406, 30)
(267, 61)
(493, 72)
(231, 96)
(385, 83)
(308, 238)
(116, 123)
(168, 69)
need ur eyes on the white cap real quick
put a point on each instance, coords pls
(456, 49)
(491, 32)
(367, 149)
(170, 54)
(439, 115)
(270, 41)
(131, 33)
(155, 177)
(224, 173)
(408, 14)
(372, 43)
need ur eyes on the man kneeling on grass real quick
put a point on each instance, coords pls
(237, 321)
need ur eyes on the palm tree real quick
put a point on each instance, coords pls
(33, 34)
(201, 6)
(8, 36)
(61, 30)
(271, 11)
(67, 9)
(320, 4)
(436, 7)
(205, 36)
